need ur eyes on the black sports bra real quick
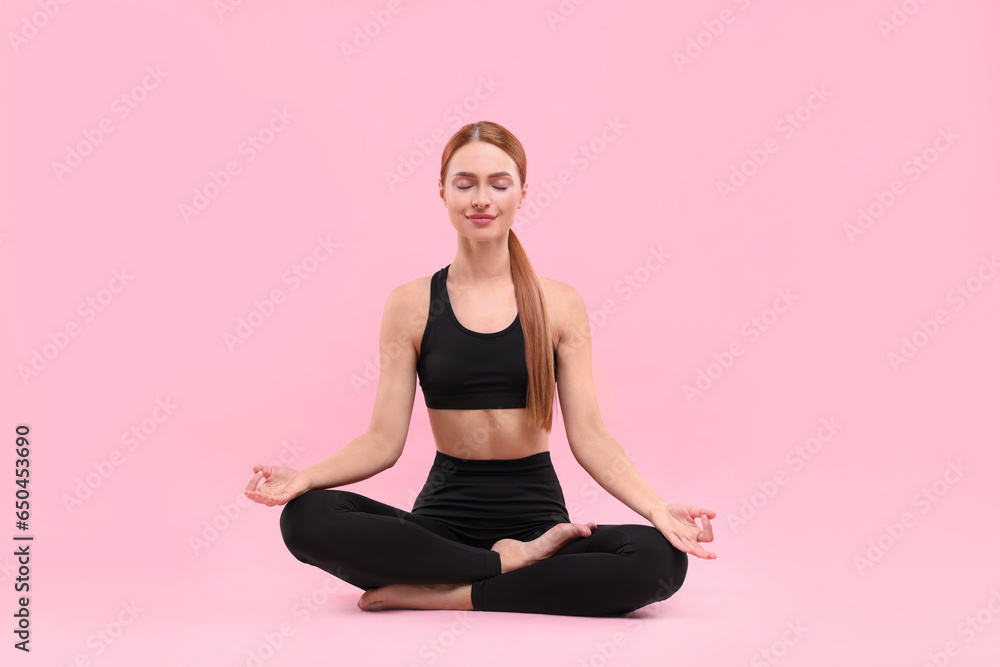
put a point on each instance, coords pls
(467, 370)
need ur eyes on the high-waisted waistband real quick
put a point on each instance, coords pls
(484, 500)
(529, 466)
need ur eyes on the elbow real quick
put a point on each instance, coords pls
(386, 450)
(589, 440)
(583, 447)
(390, 460)
(391, 455)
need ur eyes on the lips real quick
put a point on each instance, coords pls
(481, 217)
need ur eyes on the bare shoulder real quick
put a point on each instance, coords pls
(416, 288)
(408, 304)
(557, 291)
(564, 303)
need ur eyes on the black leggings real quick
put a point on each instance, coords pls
(465, 506)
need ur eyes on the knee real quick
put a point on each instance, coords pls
(671, 570)
(298, 521)
(666, 565)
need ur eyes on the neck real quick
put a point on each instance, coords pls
(481, 262)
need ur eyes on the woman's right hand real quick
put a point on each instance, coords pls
(281, 484)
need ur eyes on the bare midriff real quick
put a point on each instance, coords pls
(486, 434)
(481, 433)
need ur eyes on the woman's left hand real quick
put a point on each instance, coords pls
(676, 522)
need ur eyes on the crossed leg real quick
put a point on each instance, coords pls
(514, 555)
(369, 544)
(406, 560)
(618, 568)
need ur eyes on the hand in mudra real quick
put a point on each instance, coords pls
(676, 522)
(281, 484)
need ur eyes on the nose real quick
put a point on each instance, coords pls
(480, 201)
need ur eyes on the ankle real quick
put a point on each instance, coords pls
(511, 556)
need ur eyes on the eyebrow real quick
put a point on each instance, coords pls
(493, 175)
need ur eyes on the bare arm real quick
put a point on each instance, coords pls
(599, 454)
(361, 458)
(593, 447)
(381, 444)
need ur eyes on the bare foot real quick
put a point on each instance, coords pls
(417, 596)
(515, 554)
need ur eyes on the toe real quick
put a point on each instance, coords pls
(367, 600)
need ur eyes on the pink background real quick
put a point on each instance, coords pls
(662, 135)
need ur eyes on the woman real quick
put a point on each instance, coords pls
(489, 531)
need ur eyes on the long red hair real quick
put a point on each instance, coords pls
(530, 301)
